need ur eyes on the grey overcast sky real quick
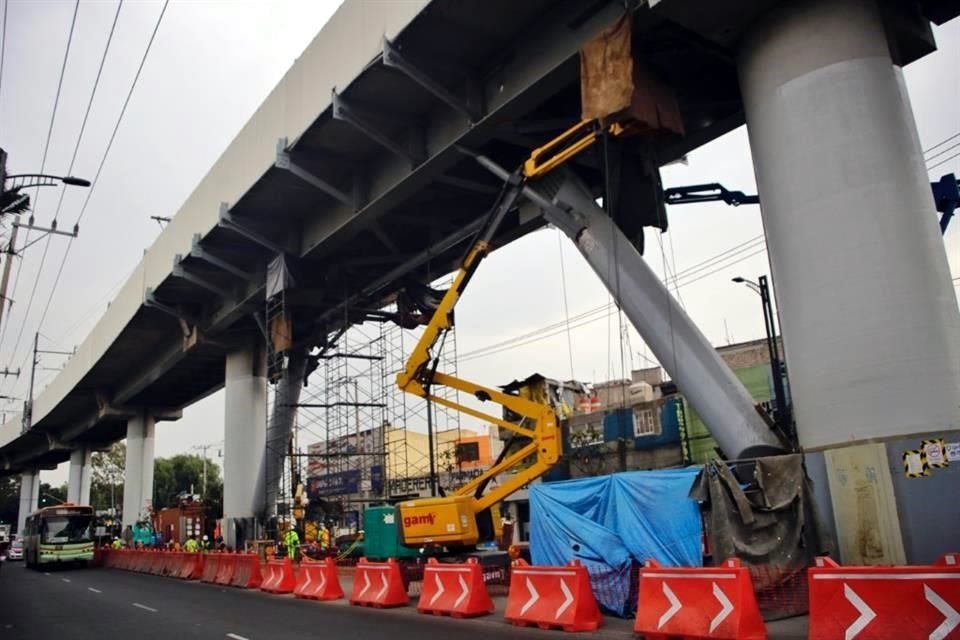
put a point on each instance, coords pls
(211, 64)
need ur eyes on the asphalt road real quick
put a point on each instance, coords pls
(94, 604)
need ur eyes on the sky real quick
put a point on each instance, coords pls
(210, 66)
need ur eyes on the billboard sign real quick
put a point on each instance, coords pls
(334, 484)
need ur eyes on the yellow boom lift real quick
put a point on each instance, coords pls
(452, 520)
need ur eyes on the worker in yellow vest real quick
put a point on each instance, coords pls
(291, 540)
(190, 546)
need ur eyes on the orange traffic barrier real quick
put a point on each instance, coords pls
(318, 580)
(552, 598)
(379, 584)
(902, 603)
(198, 566)
(211, 566)
(702, 602)
(179, 567)
(247, 574)
(455, 590)
(279, 576)
(228, 564)
(170, 560)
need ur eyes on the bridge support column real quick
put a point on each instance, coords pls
(870, 323)
(138, 481)
(78, 483)
(29, 496)
(245, 412)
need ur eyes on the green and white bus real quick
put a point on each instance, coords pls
(59, 535)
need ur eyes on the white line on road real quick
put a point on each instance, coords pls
(65, 579)
(45, 573)
(94, 590)
(236, 637)
(144, 607)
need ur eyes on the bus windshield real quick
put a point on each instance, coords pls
(64, 529)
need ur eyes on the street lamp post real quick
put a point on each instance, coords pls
(13, 200)
(784, 419)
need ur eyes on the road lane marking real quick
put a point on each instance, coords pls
(144, 607)
(45, 573)
(94, 590)
(65, 579)
(236, 637)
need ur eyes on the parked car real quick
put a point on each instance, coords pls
(15, 552)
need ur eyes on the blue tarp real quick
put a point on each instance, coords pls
(611, 522)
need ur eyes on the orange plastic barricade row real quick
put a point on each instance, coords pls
(144, 559)
(198, 566)
(247, 574)
(178, 561)
(211, 566)
(228, 564)
(171, 563)
(552, 598)
(187, 565)
(455, 590)
(279, 576)
(701, 602)
(378, 584)
(318, 581)
(881, 603)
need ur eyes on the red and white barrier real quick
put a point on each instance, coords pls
(707, 602)
(552, 598)
(885, 603)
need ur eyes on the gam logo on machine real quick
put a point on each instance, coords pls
(426, 518)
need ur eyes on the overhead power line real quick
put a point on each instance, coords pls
(3, 46)
(43, 165)
(106, 154)
(603, 312)
(941, 143)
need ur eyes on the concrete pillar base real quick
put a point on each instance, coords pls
(78, 483)
(138, 482)
(29, 496)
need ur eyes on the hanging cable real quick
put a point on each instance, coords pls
(3, 47)
(36, 196)
(941, 143)
(566, 307)
(106, 152)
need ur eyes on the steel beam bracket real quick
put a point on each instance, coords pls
(227, 221)
(180, 271)
(197, 251)
(414, 151)
(285, 161)
(471, 108)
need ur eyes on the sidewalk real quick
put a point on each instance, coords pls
(613, 627)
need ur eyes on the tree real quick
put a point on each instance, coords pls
(184, 474)
(106, 477)
(9, 499)
(51, 496)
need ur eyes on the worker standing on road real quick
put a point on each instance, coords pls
(291, 540)
(190, 546)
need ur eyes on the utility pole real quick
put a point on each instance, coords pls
(10, 249)
(28, 403)
(203, 448)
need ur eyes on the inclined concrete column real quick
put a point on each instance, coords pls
(78, 482)
(138, 481)
(29, 496)
(245, 413)
(870, 322)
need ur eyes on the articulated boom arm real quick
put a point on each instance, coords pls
(538, 421)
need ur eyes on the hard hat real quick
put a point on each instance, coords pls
(205, 538)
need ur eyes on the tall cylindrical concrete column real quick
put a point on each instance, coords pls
(29, 496)
(245, 413)
(138, 475)
(870, 324)
(78, 482)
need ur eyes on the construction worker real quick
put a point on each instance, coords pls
(324, 537)
(116, 544)
(190, 546)
(291, 541)
(205, 544)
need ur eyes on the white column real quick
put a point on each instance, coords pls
(29, 496)
(79, 463)
(245, 398)
(870, 322)
(138, 482)
(85, 477)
